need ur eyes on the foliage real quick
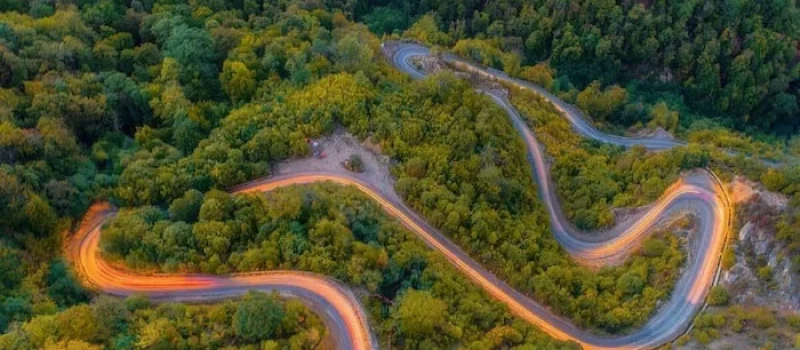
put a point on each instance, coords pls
(355, 164)
(718, 296)
(735, 60)
(64, 289)
(133, 322)
(592, 178)
(420, 313)
(486, 53)
(426, 29)
(752, 325)
(601, 103)
(237, 80)
(331, 230)
(661, 116)
(541, 74)
(459, 163)
(103, 100)
(787, 222)
(258, 317)
(382, 20)
(11, 272)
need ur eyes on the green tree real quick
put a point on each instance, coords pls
(661, 116)
(420, 313)
(386, 20)
(258, 317)
(540, 74)
(78, 323)
(63, 288)
(11, 271)
(112, 315)
(238, 81)
(193, 50)
(70, 344)
(354, 53)
(630, 283)
(601, 104)
(217, 206)
(427, 30)
(187, 207)
(159, 334)
(14, 309)
(41, 217)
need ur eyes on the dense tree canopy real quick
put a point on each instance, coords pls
(593, 178)
(160, 106)
(733, 59)
(109, 323)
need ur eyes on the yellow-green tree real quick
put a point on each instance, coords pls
(238, 81)
(599, 103)
(420, 313)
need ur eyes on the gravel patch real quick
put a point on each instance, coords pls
(339, 147)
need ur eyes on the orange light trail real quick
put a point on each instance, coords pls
(344, 315)
(101, 274)
(340, 308)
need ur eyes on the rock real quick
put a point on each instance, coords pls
(744, 233)
(728, 277)
(743, 190)
(760, 248)
(759, 210)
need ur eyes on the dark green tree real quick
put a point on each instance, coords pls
(258, 317)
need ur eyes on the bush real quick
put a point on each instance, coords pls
(764, 273)
(718, 296)
(354, 164)
(793, 321)
(702, 337)
(762, 318)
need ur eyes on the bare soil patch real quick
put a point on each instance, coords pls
(337, 148)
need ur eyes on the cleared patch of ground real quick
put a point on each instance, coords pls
(337, 148)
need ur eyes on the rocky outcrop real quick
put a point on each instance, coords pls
(763, 273)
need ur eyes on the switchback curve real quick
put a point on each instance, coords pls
(699, 193)
(343, 314)
(339, 309)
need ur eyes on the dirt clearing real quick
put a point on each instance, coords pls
(337, 148)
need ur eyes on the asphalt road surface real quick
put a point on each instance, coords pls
(345, 318)
(334, 303)
(700, 193)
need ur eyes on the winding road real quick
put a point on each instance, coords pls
(339, 309)
(699, 193)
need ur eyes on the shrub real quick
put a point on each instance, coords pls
(718, 296)
(762, 318)
(355, 164)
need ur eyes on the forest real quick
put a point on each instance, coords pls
(160, 106)
(136, 323)
(593, 178)
(416, 298)
(733, 61)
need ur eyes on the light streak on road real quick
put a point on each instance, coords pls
(700, 194)
(340, 310)
(344, 316)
